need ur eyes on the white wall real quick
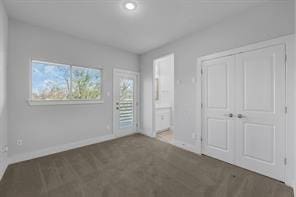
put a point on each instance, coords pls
(3, 91)
(295, 97)
(43, 127)
(257, 24)
(3, 94)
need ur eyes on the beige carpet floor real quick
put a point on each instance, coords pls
(134, 166)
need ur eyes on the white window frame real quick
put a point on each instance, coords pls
(33, 102)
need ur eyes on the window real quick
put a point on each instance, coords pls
(86, 83)
(60, 83)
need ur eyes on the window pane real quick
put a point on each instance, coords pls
(126, 103)
(50, 81)
(86, 83)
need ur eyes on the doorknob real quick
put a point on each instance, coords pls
(241, 116)
(229, 115)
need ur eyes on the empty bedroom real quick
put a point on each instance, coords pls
(147, 98)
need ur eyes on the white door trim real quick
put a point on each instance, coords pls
(281, 40)
(137, 74)
(288, 41)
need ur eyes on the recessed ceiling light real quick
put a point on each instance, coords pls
(130, 6)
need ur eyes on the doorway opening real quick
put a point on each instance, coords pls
(163, 99)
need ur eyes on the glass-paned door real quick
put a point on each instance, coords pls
(125, 102)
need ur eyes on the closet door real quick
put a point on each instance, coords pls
(218, 108)
(260, 120)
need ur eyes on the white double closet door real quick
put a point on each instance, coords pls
(244, 110)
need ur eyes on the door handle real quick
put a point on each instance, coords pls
(117, 108)
(241, 116)
(229, 115)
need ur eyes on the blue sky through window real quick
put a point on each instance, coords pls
(52, 82)
(46, 77)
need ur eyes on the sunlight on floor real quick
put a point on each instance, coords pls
(165, 136)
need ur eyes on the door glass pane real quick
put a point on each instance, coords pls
(126, 103)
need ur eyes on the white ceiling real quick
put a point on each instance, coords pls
(154, 23)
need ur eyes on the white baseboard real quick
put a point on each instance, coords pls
(52, 150)
(189, 147)
(3, 168)
(61, 148)
(140, 130)
(185, 146)
(144, 132)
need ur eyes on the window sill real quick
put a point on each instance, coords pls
(64, 102)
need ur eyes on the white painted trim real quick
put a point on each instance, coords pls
(183, 145)
(186, 146)
(33, 102)
(277, 41)
(3, 168)
(120, 135)
(57, 149)
(61, 148)
(64, 102)
(123, 71)
(52, 150)
(285, 40)
(143, 132)
(293, 186)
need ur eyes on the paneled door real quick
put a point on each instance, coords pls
(218, 108)
(244, 110)
(125, 102)
(260, 95)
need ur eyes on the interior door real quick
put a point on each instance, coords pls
(218, 108)
(260, 95)
(125, 102)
